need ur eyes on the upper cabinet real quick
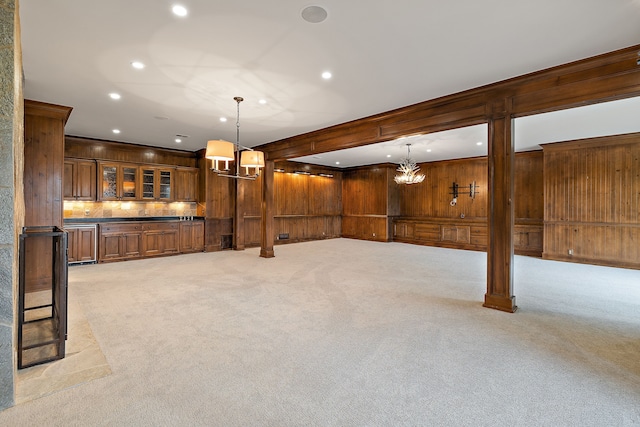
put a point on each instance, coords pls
(118, 181)
(79, 180)
(128, 182)
(186, 184)
(157, 183)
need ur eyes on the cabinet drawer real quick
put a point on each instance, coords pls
(160, 226)
(120, 228)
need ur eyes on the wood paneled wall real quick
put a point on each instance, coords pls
(427, 217)
(218, 194)
(369, 202)
(307, 207)
(431, 198)
(87, 148)
(592, 200)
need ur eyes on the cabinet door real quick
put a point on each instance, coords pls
(108, 182)
(170, 239)
(85, 244)
(111, 246)
(164, 188)
(152, 242)
(186, 236)
(68, 180)
(148, 178)
(129, 182)
(198, 236)
(132, 244)
(72, 247)
(186, 185)
(85, 180)
(79, 180)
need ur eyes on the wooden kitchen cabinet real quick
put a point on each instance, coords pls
(119, 242)
(157, 183)
(191, 236)
(160, 238)
(118, 181)
(79, 180)
(186, 184)
(81, 243)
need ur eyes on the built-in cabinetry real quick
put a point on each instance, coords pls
(121, 241)
(81, 243)
(160, 238)
(186, 184)
(191, 236)
(118, 181)
(133, 182)
(464, 234)
(79, 182)
(157, 183)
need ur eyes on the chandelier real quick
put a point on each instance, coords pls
(225, 151)
(408, 171)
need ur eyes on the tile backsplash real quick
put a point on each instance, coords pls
(128, 209)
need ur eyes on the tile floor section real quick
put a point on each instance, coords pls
(83, 362)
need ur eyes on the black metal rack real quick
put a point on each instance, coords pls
(42, 299)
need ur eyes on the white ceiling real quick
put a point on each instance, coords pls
(383, 55)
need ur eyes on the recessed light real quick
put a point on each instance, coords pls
(178, 140)
(114, 95)
(137, 65)
(326, 75)
(223, 119)
(478, 143)
(179, 10)
(116, 131)
(388, 155)
(262, 101)
(428, 150)
(337, 163)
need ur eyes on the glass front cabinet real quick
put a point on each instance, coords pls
(117, 181)
(157, 183)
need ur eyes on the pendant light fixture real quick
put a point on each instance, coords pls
(225, 151)
(408, 171)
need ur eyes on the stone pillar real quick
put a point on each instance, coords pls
(11, 190)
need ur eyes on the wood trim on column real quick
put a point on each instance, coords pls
(238, 216)
(267, 230)
(501, 162)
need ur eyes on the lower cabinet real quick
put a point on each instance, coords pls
(191, 236)
(160, 238)
(81, 243)
(120, 241)
(133, 240)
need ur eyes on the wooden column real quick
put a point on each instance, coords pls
(266, 211)
(238, 216)
(501, 212)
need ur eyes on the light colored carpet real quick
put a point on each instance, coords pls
(351, 333)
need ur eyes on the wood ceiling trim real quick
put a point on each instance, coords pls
(606, 77)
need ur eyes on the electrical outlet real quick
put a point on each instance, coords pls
(570, 251)
(374, 234)
(87, 212)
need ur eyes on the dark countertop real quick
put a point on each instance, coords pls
(126, 219)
